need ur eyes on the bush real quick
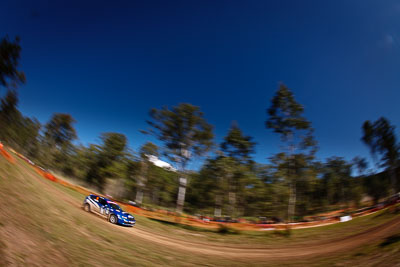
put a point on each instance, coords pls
(224, 229)
(284, 233)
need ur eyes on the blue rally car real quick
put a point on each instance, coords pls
(108, 209)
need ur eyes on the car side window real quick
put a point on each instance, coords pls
(102, 201)
(94, 198)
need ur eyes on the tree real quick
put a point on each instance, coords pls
(238, 146)
(185, 134)
(339, 185)
(286, 118)
(114, 145)
(58, 136)
(60, 131)
(10, 51)
(108, 159)
(147, 150)
(360, 164)
(9, 115)
(19, 131)
(222, 170)
(381, 139)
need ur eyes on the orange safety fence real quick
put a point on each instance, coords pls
(6, 154)
(45, 174)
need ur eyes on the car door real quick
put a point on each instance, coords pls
(95, 204)
(104, 208)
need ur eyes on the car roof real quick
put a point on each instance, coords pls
(106, 199)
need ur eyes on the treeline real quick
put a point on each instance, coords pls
(230, 183)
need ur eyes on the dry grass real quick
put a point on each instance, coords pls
(41, 224)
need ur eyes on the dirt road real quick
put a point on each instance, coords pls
(311, 250)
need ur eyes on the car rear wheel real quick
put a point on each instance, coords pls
(113, 219)
(87, 207)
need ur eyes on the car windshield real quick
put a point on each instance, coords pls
(115, 206)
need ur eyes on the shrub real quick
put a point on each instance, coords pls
(224, 229)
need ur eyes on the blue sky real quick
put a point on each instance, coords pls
(108, 62)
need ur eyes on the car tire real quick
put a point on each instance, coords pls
(86, 207)
(113, 219)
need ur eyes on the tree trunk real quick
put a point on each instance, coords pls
(139, 196)
(392, 173)
(292, 202)
(181, 194)
(232, 203)
(141, 183)
(218, 205)
(292, 177)
(155, 196)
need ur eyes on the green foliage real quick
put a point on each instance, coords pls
(382, 141)
(360, 164)
(108, 160)
(185, 133)
(294, 164)
(60, 131)
(238, 146)
(225, 229)
(337, 180)
(183, 130)
(283, 233)
(161, 188)
(18, 131)
(58, 149)
(377, 185)
(114, 146)
(285, 114)
(10, 52)
(148, 149)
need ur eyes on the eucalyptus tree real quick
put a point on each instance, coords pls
(59, 133)
(10, 75)
(17, 130)
(222, 170)
(238, 163)
(339, 184)
(286, 118)
(360, 164)
(10, 78)
(108, 159)
(9, 115)
(380, 137)
(185, 134)
(147, 150)
(238, 146)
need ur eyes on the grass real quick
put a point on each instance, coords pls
(41, 219)
(52, 231)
